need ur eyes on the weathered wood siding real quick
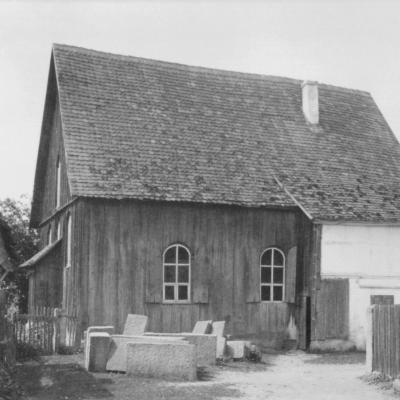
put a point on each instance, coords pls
(49, 281)
(45, 284)
(332, 305)
(118, 264)
(56, 150)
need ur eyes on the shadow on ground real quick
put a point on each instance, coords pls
(352, 357)
(61, 381)
(63, 377)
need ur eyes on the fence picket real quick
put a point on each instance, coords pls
(45, 330)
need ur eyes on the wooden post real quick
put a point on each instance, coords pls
(63, 327)
(56, 330)
(369, 336)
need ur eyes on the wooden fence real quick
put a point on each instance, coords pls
(47, 329)
(383, 339)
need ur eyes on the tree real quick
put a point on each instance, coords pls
(24, 245)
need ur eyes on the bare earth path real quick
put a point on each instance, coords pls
(294, 375)
(301, 376)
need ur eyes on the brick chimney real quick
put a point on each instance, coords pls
(310, 102)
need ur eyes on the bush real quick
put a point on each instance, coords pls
(66, 350)
(26, 351)
(9, 387)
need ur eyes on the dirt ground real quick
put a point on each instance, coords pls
(292, 375)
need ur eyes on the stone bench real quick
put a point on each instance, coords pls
(118, 349)
(172, 360)
(206, 345)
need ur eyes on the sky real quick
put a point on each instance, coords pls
(348, 43)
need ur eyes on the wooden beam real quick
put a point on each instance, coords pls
(57, 212)
(293, 198)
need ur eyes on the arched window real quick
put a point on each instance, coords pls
(272, 275)
(58, 229)
(69, 241)
(58, 183)
(176, 265)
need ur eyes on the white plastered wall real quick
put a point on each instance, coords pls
(369, 256)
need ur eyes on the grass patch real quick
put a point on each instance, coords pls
(60, 377)
(26, 352)
(378, 379)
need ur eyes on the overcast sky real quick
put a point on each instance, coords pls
(354, 44)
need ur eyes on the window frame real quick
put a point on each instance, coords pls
(49, 236)
(58, 229)
(272, 284)
(176, 284)
(69, 241)
(58, 182)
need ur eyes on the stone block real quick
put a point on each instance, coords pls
(175, 361)
(135, 324)
(396, 385)
(118, 349)
(206, 345)
(93, 329)
(238, 349)
(98, 348)
(202, 327)
(221, 345)
(218, 328)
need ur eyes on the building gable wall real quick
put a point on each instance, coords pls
(118, 265)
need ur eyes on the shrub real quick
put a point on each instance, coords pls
(26, 351)
(66, 350)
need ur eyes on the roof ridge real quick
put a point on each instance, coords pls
(198, 69)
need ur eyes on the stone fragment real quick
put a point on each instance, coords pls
(98, 348)
(238, 349)
(206, 345)
(135, 324)
(396, 385)
(202, 327)
(161, 360)
(221, 345)
(92, 329)
(218, 328)
(118, 349)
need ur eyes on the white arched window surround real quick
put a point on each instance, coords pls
(49, 233)
(272, 275)
(58, 229)
(69, 241)
(176, 274)
(58, 182)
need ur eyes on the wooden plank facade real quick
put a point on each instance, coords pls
(116, 269)
(118, 266)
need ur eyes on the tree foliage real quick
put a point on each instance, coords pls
(24, 245)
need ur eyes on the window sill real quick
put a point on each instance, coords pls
(272, 302)
(176, 302)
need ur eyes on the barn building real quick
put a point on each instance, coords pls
(186, 193)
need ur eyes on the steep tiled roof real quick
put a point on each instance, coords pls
(136, 128)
